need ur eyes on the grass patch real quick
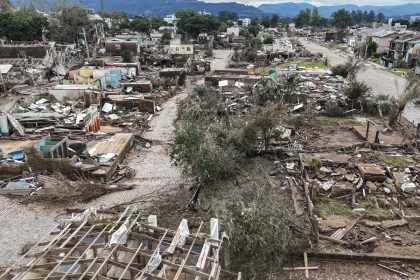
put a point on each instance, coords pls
(334, 46)
(325, 207)
(398, 71)
(343, 122)
(395, 161)
(306, 64)
(373, 213)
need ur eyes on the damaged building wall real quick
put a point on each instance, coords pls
(16, 51)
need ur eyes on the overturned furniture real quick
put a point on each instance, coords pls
(89, 247)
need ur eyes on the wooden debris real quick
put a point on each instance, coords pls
(295, 193)
(369, 240)
(334, 240)
(16, 125)
(393, 270)
(372, 172)
(396, 223)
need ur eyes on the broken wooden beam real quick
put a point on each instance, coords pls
(393, 270)
(334, 240)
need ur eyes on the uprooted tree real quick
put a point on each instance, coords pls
(411, 92)
(265, 231)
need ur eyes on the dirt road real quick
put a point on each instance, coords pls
(221, 59)
(381, 81)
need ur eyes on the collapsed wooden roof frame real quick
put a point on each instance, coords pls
(83, 250)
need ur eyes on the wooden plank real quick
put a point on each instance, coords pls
(181, 267)
(393, 270)
(301, 268)
(84, 252)
(131, 261)
(69, 253)
(16, 125)
(99, 269)
(364, 257)
(305, 261)
(143, 272)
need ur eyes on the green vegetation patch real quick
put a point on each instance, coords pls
(336, 122)
(306, 64)
(398, 71)
(395, 161)
(325, 207)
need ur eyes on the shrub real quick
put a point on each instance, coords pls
(356, 90)
(340, 70)
(348, 69)
(379, 105)
(334, 111)
(127, 56)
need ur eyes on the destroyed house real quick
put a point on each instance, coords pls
(128, 246)
(23, 49)
(117, 46)
(383, 39)
(181, 50)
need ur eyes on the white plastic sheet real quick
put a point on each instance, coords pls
(120, 236)
(184, 232)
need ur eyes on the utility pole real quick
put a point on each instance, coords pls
(86, 44)
(102, 5)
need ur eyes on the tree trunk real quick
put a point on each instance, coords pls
(394, 115)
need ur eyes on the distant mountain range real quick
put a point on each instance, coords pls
(292, 9)
(165, 7)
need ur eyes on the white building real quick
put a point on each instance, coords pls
(233, 30)
(171, 19)
(414, 18)
(245, 22)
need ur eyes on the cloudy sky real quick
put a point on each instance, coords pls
(322, 2)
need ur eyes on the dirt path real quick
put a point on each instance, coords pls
(380, 81)
(155, 174)
(221, 59)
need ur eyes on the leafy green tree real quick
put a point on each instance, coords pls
(118, 20)
(228, 15)
(380, 17)
(201, 24)
(141, 24)
(401, 21)
(268, 40)
(303, 18)
(275, 20)
(372, 48)
(156, 22)
(22, 25)
(266, 22)
(341, 19)
(371, 17)
(167, 35)
(183, 15)
(315, 18)
(415, 25)
(70, 24)
(254, 30)
(324, 22)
